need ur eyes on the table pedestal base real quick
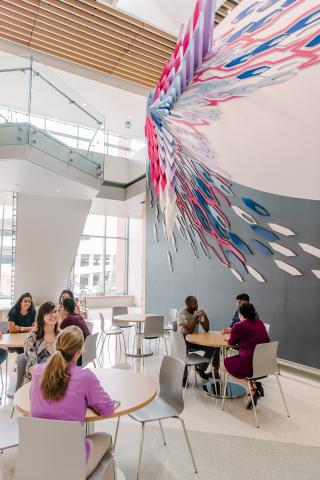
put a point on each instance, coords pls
(213, 389)
(146, 353)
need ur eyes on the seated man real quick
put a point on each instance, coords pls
(240, 299)
(71, 318)
(189, 319)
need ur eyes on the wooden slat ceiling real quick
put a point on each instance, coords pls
(90, 34)
(224, 10)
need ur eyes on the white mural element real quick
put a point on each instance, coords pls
(170, 261)
(236, 274)
(255, 274)
(155, 232)
(281, 249)
(244, 215)
(279, 229)
(316, 272)
(287, 268)
(310, 249)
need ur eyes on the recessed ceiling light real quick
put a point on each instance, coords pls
(57, 190)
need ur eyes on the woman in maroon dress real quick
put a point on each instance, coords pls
(246, 334)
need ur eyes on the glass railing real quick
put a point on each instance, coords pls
(38, 108)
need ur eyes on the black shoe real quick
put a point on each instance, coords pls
(260, 389)
(255, 397)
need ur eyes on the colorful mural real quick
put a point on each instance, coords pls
(185, 176)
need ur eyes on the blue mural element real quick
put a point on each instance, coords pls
(261, 247)
(256, 207)
(264, 232)
(240, 244)
(234, 260)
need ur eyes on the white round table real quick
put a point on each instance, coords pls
(138, 319)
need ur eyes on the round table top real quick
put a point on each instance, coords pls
(13, 340)
(134, 317)
(133, 390)
(208, 339)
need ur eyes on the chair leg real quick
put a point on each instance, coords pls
(224, 391)
(189, 445)
(94, 364)
(12, 411)
(162, 433)
(253, 405)
(124, 342)
(140, 453)
(165, 342)
(282, 395)
(116, 434)
(187, 379)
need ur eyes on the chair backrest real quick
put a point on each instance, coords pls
(90, 326)
(153, 326)
(267, 325)
(172, 315)
(119, 311)
(21, 369)
(178, 346)
(4, 326)
(170, 378)
(264, 360)
(43, 445)
(89, 353)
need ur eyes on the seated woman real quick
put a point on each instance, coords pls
(62, 391)
(246, 334)
(40, 344)
(63, 295)
(22, 315)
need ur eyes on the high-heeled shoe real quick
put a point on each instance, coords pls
(255, 396)
(260, 389)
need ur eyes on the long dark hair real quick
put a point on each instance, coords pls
(248, 311)
(17, 305)
(46, 307)
(69, 292)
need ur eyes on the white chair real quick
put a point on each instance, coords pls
(179, 350)
(89, 354)
(90, 326)
(8, 434)
(168, 404)
(126, 326)
(264, 363)
(172, 323)
(153, 330)
(107, 333)
(51, 439)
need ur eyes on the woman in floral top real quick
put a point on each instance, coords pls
(40, 344)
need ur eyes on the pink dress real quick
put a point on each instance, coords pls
(84, 390)
(245, 334)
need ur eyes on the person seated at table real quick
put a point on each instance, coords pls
(240, 299)
(60, 390)
(189, 320)
(3, 354)
(63, 295)
(40, 344)
(22, 315)
(246, 334)
(72, 318)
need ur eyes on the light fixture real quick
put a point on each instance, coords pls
(57, 190)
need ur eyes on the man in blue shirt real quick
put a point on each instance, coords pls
(240, 299)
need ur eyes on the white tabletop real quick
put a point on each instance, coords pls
(134, 317)
(13, 340)
(132, 389)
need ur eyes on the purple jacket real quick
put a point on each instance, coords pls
(84, 390)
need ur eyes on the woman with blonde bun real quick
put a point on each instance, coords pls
(60, 390)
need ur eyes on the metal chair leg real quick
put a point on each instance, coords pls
(282, 395)
(224, 391)
(165, 342)
(140, 453)
(253, 405)
(162, 433)
(185, 387)
(116, 434)
(189, 445)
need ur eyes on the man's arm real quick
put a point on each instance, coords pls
(204, 322)
(14, 328)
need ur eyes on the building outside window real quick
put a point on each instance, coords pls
(101, 265)
(8, 202)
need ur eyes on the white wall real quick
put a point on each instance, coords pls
(135, 263)
(48, 235)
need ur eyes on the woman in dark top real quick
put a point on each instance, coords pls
(22, 315)
(246, 334)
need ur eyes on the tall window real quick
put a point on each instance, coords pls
(7, 246)
(101, 264)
